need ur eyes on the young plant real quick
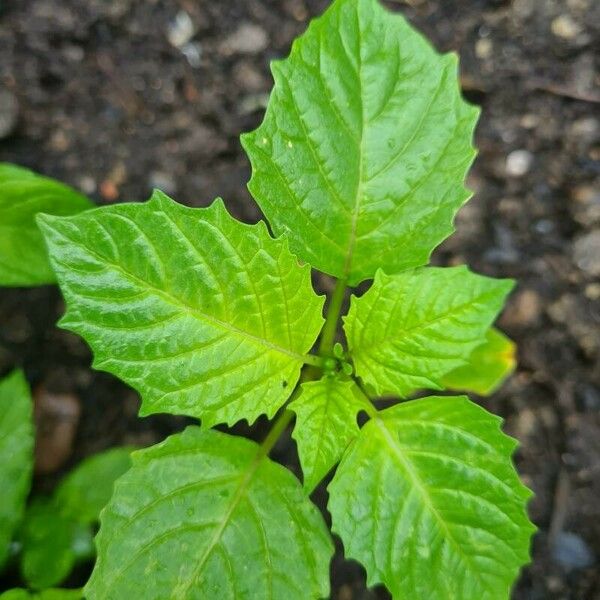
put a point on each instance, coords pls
(359, 167)
(24, 194)
(52, 534)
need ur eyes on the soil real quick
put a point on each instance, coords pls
(116, 97)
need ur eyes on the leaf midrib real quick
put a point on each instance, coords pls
(194, 312)
(240, 493)
(420, 487)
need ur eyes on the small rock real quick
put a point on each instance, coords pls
(87, 184)
(484, 48)
(181, 30)
(163, 181)
(193, 53)
(247, 39)
(247, 77)
(523, 310)
(9, 113)
(586, 253)
(518, 163)
(56, 419)
(571, 552)
(586, 207)
(565, 27)
(592, 291)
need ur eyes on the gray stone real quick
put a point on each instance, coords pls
(586, 252)
(571, 552)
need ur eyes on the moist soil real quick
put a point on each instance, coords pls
(118, 97)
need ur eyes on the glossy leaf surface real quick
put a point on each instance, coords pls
(209, 518)
(16, 454)
(326, 412)
(410, 330)
(365, 144)
(427, 498)
(23, 194)
(203, 315)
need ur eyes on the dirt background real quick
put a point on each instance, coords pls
(117, 97)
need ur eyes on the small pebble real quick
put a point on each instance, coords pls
(565, 27)
(484, 48)
(247, 39)
(586, 252)
(181, 30)
(518, 163)
(586, 207)
(163, 182)
(193, 53)
(524, 309)
(572, 552)
(9, 113)
(56, 419)
(87, 184)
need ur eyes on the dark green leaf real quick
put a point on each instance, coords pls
(16, 454)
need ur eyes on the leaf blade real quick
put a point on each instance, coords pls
(234, 546)
(86, 490)
(364, 145)
(199, 306)
(16, 454)
(23, 194)
(410, 330)
(427, 498)
(326, 412)
(488, 367)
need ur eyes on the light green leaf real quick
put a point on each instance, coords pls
(203, 315)
(23, 194)
(489, 365)
(16, 454)
(52, 544)
(203, 515)
(410, 330)
(86, 490)
(50, 594)
(365, 144)
(326, 423)
(427, 498)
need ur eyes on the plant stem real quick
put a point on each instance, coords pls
(333, 315)
(275, 432)
(313, 360)
(314, 364)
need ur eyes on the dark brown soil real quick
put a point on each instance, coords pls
(108, 104)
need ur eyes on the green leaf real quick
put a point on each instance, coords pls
(50, 594)
(410, 330)
(23, 194)
(203, 315)
(427, 498)
(86, 490)
(205, 515)
(52, 544)
(365, 144)
(489, 365)
(16, 454)
(326, 423)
